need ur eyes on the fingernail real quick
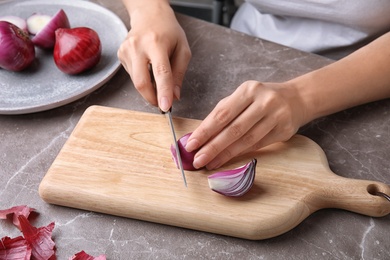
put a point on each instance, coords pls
(200, 161)
(176, 90)
(192, 145)
(164, 106)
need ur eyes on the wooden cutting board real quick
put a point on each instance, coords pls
(119, 162)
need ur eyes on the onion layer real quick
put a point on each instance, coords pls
(16, 49)
(234, 182)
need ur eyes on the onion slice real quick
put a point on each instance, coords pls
(236, 182)
(186, 158)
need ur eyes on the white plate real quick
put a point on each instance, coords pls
(43, 86)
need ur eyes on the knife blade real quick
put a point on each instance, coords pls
(168, 115)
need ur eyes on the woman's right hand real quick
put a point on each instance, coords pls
(155, 39)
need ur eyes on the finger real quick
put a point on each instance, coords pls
(136, 64)
(225, 111)
(164, 82)
(141, 77)
(245, 144)
(241, 134)
(180, 61)
(123, 57)
(275, 135)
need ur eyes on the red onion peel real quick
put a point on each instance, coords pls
(16, 20)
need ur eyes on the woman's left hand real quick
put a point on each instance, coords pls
(255, 115)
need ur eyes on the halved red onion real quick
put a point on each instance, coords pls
(234, 182)
(186, 158)
(17, 51)
(16, 20)
(45, 38)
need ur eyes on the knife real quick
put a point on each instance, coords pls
(168, 115)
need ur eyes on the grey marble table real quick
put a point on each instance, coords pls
(356, 142)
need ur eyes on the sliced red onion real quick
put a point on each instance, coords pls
(186, 158)
(236, 182)
(17, 51)
(36, 22)
(16, 20)
(45, 38)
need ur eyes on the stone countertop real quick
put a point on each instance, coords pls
(356, 142)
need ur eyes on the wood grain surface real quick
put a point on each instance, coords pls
(119, 162)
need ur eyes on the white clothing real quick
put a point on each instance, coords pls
(318, 26)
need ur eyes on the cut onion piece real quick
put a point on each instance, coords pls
(236, 182)
(15, 20)
(45, 38)
(36, 22)
(186, 158)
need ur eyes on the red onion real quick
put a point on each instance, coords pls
(16, 49)
(76, 49)
(186, 157)
(45, 33)
(16, 20)
(234, 182)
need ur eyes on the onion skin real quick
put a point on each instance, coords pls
(17, 52)
(45, 38)
(186, 158)
(235, 182)
(76, 50)
(16, 20)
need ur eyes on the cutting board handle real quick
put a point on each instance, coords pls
(355, 195)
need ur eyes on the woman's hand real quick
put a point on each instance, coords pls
(156, 39)
(255, 115)
(258, 114)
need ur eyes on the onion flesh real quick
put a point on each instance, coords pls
(236, 182)
(186, 158)
(76, 50)
(36, 22)
(17, 51)
(45, 38)
(16, 20)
